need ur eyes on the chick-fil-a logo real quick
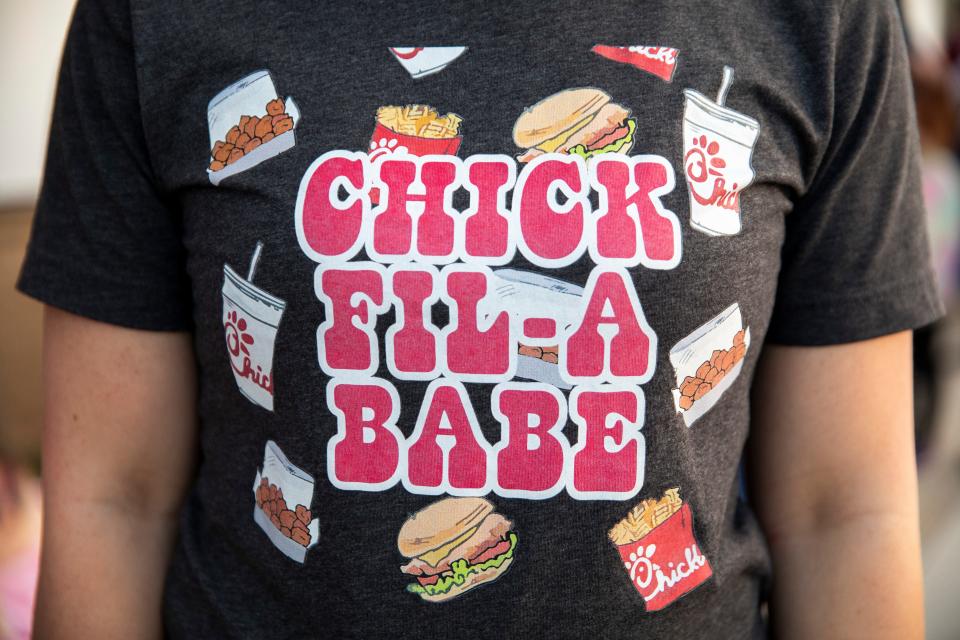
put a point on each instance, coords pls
(704, 168)
(238, 339)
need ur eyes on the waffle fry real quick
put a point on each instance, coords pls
(419, 120)
(645, 517)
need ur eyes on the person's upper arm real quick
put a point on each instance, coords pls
(855, 260)
(106, 239)
(106, 246)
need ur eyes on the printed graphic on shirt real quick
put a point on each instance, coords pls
(248, 123)
(660, 61)
(415, 129)
(251, 317)
(707, 362)
(283, 493)
(543, 308)
(454, 545)
(422, 61)
(583, 122)
(659, 551)
(717, 151)
(505, 325)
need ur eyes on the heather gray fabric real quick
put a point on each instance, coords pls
(131, 230)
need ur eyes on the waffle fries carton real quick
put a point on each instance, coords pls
(416, 129)
(658, 549)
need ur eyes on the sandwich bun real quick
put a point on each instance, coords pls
(555, 114)
(471, 582)
(439, 523)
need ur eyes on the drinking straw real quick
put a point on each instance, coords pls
(254, 260)
(725, 85)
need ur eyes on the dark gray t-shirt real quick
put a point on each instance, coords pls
(478, 289)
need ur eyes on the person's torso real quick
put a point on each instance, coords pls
(479, 292)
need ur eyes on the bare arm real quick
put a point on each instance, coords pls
(119, 443)
(833, 480)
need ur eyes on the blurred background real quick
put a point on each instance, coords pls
(31, 34)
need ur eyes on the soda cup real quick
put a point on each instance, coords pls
(251, 317)
(717, 151)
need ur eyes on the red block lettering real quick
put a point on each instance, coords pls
(487, 226)
(532, 450)
(423, 186)
(365, 453)
(474, 353)
(328, 227)
(613, 341)
(353, 296)
(635, 229)
(411, 343)
(447, 451)
(551, 234)
(608, 459)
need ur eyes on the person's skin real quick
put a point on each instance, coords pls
(833, 480)
(832, 470)
(119, 447)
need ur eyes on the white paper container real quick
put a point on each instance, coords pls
(691, 352)
(526, 295)
(422, 61)
(248, 96)
(297, 487)
(736, 134)
(262, 313)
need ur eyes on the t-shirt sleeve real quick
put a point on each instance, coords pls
(106, 241)
(855, 260)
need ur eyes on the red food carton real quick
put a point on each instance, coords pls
(660, 61)
(666, 563)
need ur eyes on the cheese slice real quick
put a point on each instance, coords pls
(434, 557)
(550, 145)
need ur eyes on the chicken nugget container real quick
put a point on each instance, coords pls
(297, 487)
(533, 296)
(248, 97)
(691, 352)
(666, 563)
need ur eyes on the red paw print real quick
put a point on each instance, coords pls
(702, 161)
(236, 334)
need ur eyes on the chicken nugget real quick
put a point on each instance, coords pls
(243, 122)
(689, 386)
(287, 517)
(282, 124)
(285, 531)
(216, 165)
(686, 402)
(252, 144)
(233, 134)
(739, 351)
(263, 127)
(716, 355)
(276, 107)
(298, 524)
(552, 358)
(533, 352)
(712, 375)
(703, 370)
(276, 521)
(702, 390)
(301, 537)
(251, 127)
(267, 137)
(726, 362)
(223, 152)
(235, 155)
(738, 339)
(303, 514)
